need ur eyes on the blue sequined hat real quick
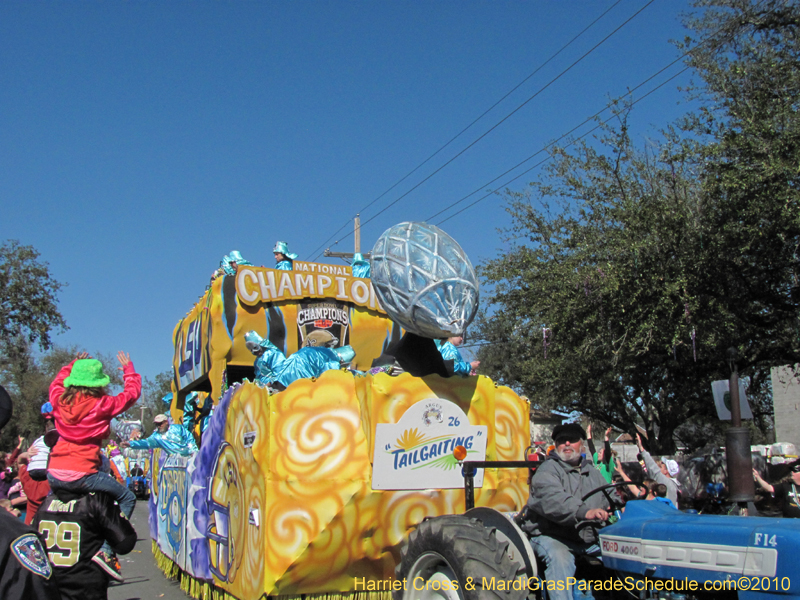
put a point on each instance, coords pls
(234, 257)
(283, 248)
(346, 353)
(254, 341)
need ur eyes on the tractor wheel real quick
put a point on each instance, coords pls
(457, 558)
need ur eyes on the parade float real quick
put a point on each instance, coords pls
(311, 490)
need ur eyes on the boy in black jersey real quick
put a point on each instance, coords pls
(74, 527)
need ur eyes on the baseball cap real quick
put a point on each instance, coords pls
(160, 418)
(569, 430)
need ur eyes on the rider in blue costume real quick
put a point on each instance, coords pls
(231, 261)
(192, 415)
(448, 350)
(360, 266)
(283, 258)
(273, 367)
(174, 439)
(268, 357)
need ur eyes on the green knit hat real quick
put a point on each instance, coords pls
(87, 372)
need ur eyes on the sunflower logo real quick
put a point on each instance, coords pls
(410, 439)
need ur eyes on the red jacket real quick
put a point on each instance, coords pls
(84, 424)
(36, 491)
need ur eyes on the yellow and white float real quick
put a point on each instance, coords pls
(311, 490)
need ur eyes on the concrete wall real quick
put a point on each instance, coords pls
(786, 403)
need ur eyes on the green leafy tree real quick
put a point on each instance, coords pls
(27, 378)
(747, 54)
(28, 297)
(635, 270)
(594, 308)
(28, 315)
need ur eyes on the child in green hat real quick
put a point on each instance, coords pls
(83, 410)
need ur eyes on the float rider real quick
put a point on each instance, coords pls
(360, 266)
(449, 350)
(267, 364)
(787, 491)
(283, 258)
(555, 508)
(173, 439)
(275, 369)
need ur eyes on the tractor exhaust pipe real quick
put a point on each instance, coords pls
(741, 488)
(740, 465)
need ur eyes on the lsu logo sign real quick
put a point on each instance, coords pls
(417, 452)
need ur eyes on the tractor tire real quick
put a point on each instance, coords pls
(456, 558)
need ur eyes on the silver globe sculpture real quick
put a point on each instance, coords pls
(424, 280)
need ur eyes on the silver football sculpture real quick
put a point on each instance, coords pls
(424, 280)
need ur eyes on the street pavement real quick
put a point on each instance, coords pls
(143, 579)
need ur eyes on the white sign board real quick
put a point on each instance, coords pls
(416, 453)
(722, 400)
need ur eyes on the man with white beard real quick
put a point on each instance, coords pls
(555, 508)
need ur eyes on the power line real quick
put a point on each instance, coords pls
(564, 47)
(548, 84)
(681, 57)
(515, 88)
(562, 136)
(666, 81)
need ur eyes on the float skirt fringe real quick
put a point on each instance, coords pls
(203, 590)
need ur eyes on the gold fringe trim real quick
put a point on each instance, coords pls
(203, 590)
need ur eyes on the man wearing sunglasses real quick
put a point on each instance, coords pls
(555, 507)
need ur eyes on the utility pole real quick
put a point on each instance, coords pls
(357, 236)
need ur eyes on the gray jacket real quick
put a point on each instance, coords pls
(555, 505)
(654, 471)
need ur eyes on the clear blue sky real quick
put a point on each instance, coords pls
(142, 141)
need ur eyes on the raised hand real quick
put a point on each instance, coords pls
(124, 360)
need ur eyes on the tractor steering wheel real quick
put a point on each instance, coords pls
(614, 503)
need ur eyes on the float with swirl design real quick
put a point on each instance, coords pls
(312, 489)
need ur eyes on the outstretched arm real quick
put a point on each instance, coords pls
(763, 484)
(607, 456)
(113, 406)
(634, 489)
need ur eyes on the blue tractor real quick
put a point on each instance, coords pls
(651, 552)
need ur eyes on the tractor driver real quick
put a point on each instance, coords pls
(555, 507)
